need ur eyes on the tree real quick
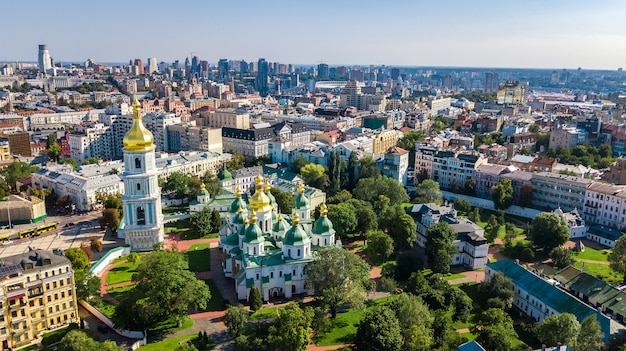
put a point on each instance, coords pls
(255, 300)
(352, 168)
(86, 248)
(87, 285)
(439, 247)
(165, 290)
(95, 243)
(526, 195)
(558, 329)
(379, 245)
(493, 227)
(403, 231)
(15, 171)
(110, 219)
(334, 173)
(498, 287)
(462, 205)
(549, 230)
(495, 330)
(502, 194)
(617, 258)
(235, 319)
(510, 233)
(78, 340)
(54, 150)
(133, 257)
(236, 162)
(474, 216)
(201, 222)
(344, 219)
(533, 128)
(211, 183)
(314, 175)
(367, 168)
(298, 163)
(562, 257)
(590, 336)
(415, 322)
(369, 189)
(427, 192)
(379, 330)
(337, 276)
(78, 258)
(291, 330)
(365, 216)
(177, 182)
(284, 200)
(469, 187)
(407, 263)
(112, 201)
(409, 140)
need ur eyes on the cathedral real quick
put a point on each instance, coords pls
(264, 249)
(142, 226)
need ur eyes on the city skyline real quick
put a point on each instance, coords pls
(398, 33)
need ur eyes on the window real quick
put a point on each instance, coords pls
(141, 216)
(138, 186)
(272, 275)
(137, 163)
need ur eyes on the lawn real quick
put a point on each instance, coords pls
(171, 344)
(264, 313)
(171, 209)
(119, 293)
(107, 308)
(180, 224)
(216, 303)
(170, 326)
(593, 254)
(601, 271)
(122, 273)
(199, 258)
(454, 276)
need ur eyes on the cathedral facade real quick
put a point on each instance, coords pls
(264, 249)
(142, 226)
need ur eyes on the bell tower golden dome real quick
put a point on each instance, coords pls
(138, 138)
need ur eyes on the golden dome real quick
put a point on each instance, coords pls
(259, 202)
(324, 210)
(267, 187)
(138, 137)
(253, 217)
(295, 219)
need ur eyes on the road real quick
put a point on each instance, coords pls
(85, 226)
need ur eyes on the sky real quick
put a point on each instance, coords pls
(493, 33)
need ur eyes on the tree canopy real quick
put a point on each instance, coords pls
(617, 258)
(284, 200)
(291, 330)
(78, 340)
(15, 171)
(367, 168)
(369, 189)
(165, 290)
(502, 194)
(204, 222)
(379, 245)
(557, 329)
(495, 330)
(379, 330)
(584, 154)
(338, 276)
(314, 175)
(426, 192)
(410, 139)
(439, 246)
(549, 230)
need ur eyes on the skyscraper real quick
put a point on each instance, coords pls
(152, 65)
(322, 70)
(395, 73)
(222, 68)
(262, 77)
(45, 62)
(491, 82)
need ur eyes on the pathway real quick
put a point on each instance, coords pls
(103, 282)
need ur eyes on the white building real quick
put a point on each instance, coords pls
(605, 204)
(470, 242)
(575, 223)
(143, 220)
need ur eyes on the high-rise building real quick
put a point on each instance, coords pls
(395, 73)
(322, 70)
(143, 219)
(153, 66)
(19, 143)
(512, 92)
(491, 82)
(222, 68)
(262, 77)
(45, 61)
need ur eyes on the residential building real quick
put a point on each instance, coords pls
(491, 82)
(185, 137)
(142, 226)
(470, 239)
(5, 149)
(566, 138)
(157, 124)
(90, 139)
(395, 164)
(451, 169)
(19, 143)
(264, 249)
(512, 92)
(533, 163)
(520, 141)
(603, 235)
(220, 118)
(37, 294)
(438, 103)
(539, 299)
(605, 204)
(575, 223)
(617, 172)
(488, 175)
(424, 156)
(557, 190)
(251, 143)
(383, 141)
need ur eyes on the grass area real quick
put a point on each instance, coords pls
(192, 235)
(264, 313)
(455, 276)
(119, 293)
(171, 344)
(216, 303)
(107, 308)
(172, 209)
(180, 224)
(502, 231)
(170, 326)
(32, 347)
(122, 273)
(601, 271)
(593, 254)
(56, 335)
(199, 258)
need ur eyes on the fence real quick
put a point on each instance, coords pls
(106, 321)
(113, 254)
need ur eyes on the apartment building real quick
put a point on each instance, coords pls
(605, 204)
(395, 164)
(566, 137)
(91, 139)
(37, 294)
(184, 137)
(557, 190)
(229, 118)
(451, 168)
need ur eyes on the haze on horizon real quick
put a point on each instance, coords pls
(491, 33)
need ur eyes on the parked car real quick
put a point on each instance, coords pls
(103, 328)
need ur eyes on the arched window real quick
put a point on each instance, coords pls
(137, 163)
(141, 216)
(138, 186)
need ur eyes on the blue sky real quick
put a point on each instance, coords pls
(502, 33)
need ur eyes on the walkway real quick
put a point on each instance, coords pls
(103, 283)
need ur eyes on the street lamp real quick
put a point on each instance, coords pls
(9, 214)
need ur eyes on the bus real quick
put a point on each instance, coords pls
(4, 238)
(45, 228)
(27, 233)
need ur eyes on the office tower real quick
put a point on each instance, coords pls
(262, 77)
(222, 68)
(322, 70)
(137, 67)
(243, 67)
(395, 73)
(45, 62)
(152, 65)
(491, 82)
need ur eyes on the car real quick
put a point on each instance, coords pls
(103, 328)
(71, 224)
(8, 242)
